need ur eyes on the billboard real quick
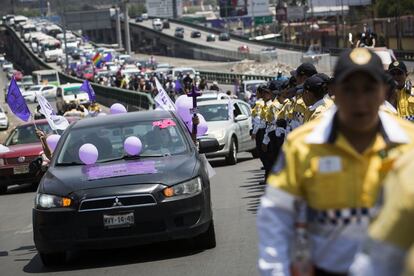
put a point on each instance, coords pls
(232, 8)
(239, 8)
(164, 8)
(328, 3)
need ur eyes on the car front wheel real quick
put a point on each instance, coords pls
(231, 159)
(53, 259)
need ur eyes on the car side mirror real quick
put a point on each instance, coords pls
(241, 117)
(207, 145)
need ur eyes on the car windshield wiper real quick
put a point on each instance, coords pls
(69, 164)
(128, 157)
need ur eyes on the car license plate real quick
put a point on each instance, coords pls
(118, 220)
(21, 169)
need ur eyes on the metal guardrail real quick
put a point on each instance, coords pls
(105, 95)
(230, 78)
(400, 55)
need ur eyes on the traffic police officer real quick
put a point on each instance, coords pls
(273, 140)
(405, 92)
(298, 108)
(260, 126)
(334, 165)
(314, 98)
(391, 235)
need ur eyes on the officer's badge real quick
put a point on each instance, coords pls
(360, 56)
(396, 63)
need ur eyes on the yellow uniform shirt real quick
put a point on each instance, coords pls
(317, 109)
(322, 168)
(273, 110)
(298, 109)
(284, 111)
(395, 224)
(405, 104)
(257, 107)
(264, 110)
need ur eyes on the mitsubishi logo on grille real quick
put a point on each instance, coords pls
(117, 203)
(21, 159)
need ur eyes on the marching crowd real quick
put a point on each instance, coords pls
(338, 198)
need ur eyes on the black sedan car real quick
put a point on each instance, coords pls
(120, 201)
(224, 37)
(211, 37)
(195, 34)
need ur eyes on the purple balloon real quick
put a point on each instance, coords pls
(52, 141)
(133, 145)
(202, 127)
(118, 108)
(183, 105)
(88, 154)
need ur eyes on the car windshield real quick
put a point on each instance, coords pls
(72, 91)
(48, 77)
(214, 112)
(27, 79)
(156, 141)
(183, 72)
(34, 88)
(26, 134)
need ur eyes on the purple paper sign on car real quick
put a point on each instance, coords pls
(116, 170)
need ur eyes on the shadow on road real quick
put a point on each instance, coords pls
(254, 188)
(20, 189)
(116, 257)
(221, 162)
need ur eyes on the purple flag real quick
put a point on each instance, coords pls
(178, 86)
(108, 57)
(16, 101)
(86, 86)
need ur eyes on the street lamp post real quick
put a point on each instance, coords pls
(127, 34)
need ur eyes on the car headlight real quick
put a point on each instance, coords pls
(45, 201)
(218, 134)
(188, 188)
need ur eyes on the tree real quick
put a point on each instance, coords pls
(387, 8)
(136, 10)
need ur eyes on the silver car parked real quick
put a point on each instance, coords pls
(231, 129)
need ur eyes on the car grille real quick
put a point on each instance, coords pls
(14, 160)
(116, 202)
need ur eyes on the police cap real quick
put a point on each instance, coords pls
(358, 60)
(305, 69)
(314, 84)
(397, 65)
(324, 77)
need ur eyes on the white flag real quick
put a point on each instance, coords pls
(162, 99)
(230, 108)
(55, 121)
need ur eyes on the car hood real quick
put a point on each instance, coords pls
(33, 149)
(214, 126)
(170, 170)
(81, 96)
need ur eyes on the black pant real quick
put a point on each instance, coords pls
(259, 140)
(273, 150)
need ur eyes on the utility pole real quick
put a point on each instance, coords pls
(343, 23)
(127, 34)
(118, 28)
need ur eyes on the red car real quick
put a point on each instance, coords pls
(88, 74)
(16, 165)
(244, 49)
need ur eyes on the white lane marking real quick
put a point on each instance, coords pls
(27, 229)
